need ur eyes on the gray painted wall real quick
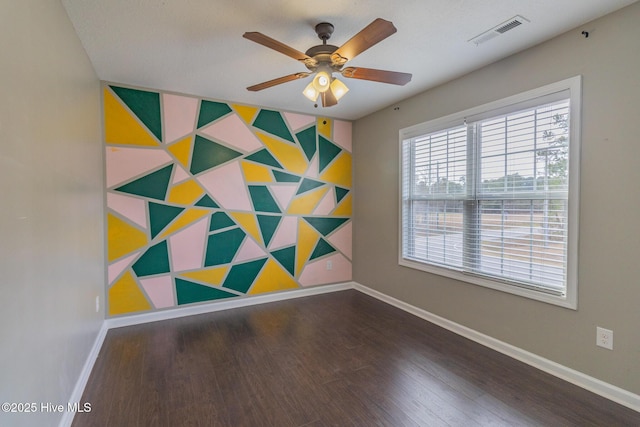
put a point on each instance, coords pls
(51, 208)
(609, 269)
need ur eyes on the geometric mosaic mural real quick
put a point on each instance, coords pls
(211, 200)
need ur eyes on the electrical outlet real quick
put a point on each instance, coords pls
(97, 303)
(604, 338)
(329, 265)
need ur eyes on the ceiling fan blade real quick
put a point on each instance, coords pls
(373, 33)
(328, 98)
(279, 80)
(275, 45)
(382, 76)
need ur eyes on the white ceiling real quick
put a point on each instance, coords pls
(196, 46)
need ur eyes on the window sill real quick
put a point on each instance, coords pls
(569, 301)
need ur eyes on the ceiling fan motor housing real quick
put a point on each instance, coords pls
(321, 54)
(324, 31)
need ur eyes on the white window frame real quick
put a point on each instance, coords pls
(571, 85)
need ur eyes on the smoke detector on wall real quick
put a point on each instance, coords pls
(499, 29)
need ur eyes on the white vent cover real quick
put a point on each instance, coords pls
(499, 29)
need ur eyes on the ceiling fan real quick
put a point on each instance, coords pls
(325, 59)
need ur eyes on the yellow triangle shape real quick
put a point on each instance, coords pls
(272, 278)
(290, 156)
(187, 218)
(305, 204)
(122, 238)
(324, 127)
(307, 240)
(249, 223)
(182, 150)
(126, 297)
(120, 127)
(256, 173)
(185, 193)
(344, 208)
(245, 112)
(211, 276)
(339, 172)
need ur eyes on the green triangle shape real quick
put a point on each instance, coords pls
(207, 202)
(272, 122)
(327, 151)
(153, 185)
(307, 140)
(264, 157)
(160, 216)
(145, 105)
(322, 248)
(262, 199)
(222, 247)
(285, 177)
(340, 193)
(268, 225)
(286, 257)
(154, 261)
(308, 185)
(210, 111)
(208, 154)
(189, 292)
(325, 225)
(241, 276)
(220, 220)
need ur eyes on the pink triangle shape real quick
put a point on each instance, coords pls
(312, 170)
(249, 250)
(131, 208)
(287, 233)
(298, 121)
(160, 291)
(179, 116)
(233, 131)
(326, 205)
(116, 268)
(188, 245)
(124, 163)
(179, 175)
(342, 132)
(342, 239)
(226, 185)
(316, 273)
(283, 194)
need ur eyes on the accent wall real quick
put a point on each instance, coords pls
(209, 200)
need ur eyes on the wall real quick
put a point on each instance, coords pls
(210, 200)
(51, 214)
(608, 293)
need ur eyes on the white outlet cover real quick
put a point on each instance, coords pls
(604, 338)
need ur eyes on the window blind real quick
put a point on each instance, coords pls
(489, 196)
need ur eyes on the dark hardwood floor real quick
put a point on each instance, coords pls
(338, 359)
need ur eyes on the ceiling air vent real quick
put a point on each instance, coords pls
(499, 29)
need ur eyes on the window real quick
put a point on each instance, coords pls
(490, 195)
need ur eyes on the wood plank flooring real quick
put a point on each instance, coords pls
(338, 359)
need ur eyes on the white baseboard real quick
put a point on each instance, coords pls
(606, 390)
(609, 391)
(78, 390)
(225, 304)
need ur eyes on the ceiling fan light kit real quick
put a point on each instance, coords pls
(338, 88)
(322, 80)
(313, 90)
(325, 59)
